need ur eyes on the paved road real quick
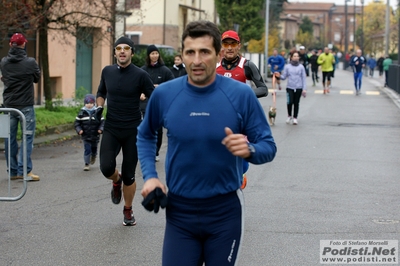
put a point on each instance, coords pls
(335, 176)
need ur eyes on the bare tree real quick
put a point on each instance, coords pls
(76, 18)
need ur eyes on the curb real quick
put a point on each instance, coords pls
(388, 91)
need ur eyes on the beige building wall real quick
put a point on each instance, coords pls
(62, 62)
(162, 21)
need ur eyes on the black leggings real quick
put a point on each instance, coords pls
(326, 75)
(293, 98)
(314, 73)
(111, 143)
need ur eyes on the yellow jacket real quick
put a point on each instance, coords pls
(326, 62)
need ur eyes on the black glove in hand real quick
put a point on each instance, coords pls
(98, 113)
(154, 200)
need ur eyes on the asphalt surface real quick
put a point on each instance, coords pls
(335, 176)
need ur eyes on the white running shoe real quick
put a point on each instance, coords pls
(288, 120)
(294, 121)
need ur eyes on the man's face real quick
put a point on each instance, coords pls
(200, 59)
(123, 54)
(359, 53)
(302, 51)
(326, 50)
(231, 48)
(275, 53)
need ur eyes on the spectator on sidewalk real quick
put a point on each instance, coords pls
(89, 128)
(380, 66)
(386, 63)
(178, 69)
(371, 63)
(358, 64)
(19, 72)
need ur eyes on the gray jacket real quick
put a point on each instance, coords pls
(296, 76)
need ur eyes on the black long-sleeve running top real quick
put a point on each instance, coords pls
(122, 88)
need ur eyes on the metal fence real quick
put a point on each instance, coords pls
(5, 133)
(394, 77)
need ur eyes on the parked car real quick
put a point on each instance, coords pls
(166, 49)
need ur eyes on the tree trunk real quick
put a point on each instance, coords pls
(44, 62)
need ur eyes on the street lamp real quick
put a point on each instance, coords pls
(387, 27)
(333, 8)
(346, 30)
(266, 39)
(362, 25)
(354, 26)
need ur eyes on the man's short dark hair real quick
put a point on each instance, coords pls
(201, 28)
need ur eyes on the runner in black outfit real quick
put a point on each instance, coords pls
(121, 84)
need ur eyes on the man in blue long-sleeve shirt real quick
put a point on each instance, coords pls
(277, 63)
(357, 63)
(207, 117)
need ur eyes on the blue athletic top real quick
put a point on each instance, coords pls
(361, 62)
(277, 60)
(197, 164)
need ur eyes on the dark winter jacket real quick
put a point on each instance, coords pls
(86, 121)
(178, 70)
(313, 61)
(19, 72)
(159, 73)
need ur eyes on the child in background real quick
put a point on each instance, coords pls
(90, 129)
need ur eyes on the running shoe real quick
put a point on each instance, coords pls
(129, 220)
(288, 120)
(244, 182)
(116, 193)
(294, 121)
(86, 168)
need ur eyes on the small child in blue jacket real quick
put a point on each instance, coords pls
(90, 129)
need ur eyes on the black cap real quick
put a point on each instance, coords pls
(124, 40)
(151, 48)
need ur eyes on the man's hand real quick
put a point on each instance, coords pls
(152, 184)
(236, 143)
(98, 113)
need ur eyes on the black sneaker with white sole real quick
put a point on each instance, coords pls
(129, 219)
(116, 191)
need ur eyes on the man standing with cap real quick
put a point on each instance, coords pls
(121, 84)
(19, 73)
(237, 67)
